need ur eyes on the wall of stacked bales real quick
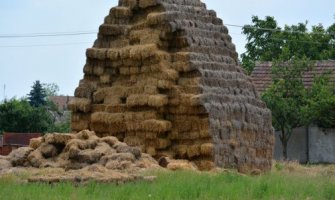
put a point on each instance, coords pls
(163, 75)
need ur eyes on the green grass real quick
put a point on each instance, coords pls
(183, 185)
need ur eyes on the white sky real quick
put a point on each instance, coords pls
(21, 66)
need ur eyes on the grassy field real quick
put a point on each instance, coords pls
(286, 181)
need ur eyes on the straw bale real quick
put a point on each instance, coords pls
(80, 125)
(174, 165)
(124, 53)
(133, 70)
(134, 141)
(98, 70)
(109, 140)
(156, 18)
(141, 52)
(104, 149)
(88, 156)
(123, 157)
(57, 138)
(36, 159)
(157, 100)
(183, 109)
(163, 143)
(73, 152)
(207, 149)
(150, 135)
(4, 164)
(193, 135)
(183, 66)
(111, 29)
(137, 100)
(124, 71)
(88, 69)
(166, 74)
(75, 116)
(99, 95)
(121, 12)
(233, 143)
(204, 133)
(98, 107)
(35, 142)
(18, 157)
(84, 91)
(181, 151)
(80, 104)
(137, 116)
(193, 151)
(204, 164)
(147, 3)
(116, 109)
(96, 53)
(189, 81)
(112, 100)
(134, 90)
(113, 54)
(127, 149)
(156, 125)
(105, 78)
(133, 126)
(165, 84)
(203, 125)
(182, 57)
(150, 89)
(117, 165)
(108, 118)
(129, 3)
(151, 151)
(196, 100)
(181, 165)
(48, 150)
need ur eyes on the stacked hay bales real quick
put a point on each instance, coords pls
(78, 151)
(163, 75)
(79, 158)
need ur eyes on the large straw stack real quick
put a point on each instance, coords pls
(163, 76)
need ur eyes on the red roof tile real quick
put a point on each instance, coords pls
(261, 76)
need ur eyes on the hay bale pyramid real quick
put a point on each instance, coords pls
(163, 75)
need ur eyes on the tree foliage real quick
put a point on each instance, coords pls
(37, 95)
(35, 114)
(266, 41)
(320, 103)
(286, 96)
(51, 89)
(20, 116)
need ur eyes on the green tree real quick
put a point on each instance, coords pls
(320, 107)
(263, 43)
(37, 96)
(20, 116)
(286, 96)
(266, 41)
(51, 89)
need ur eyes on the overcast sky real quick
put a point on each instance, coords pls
(24, 60)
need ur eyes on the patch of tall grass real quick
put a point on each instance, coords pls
(183, 185)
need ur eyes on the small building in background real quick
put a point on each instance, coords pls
(307, 144)
(61, 102)
(261, 76)
(12, 141)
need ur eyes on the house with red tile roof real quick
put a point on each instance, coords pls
(307, 144)
(261, 76)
